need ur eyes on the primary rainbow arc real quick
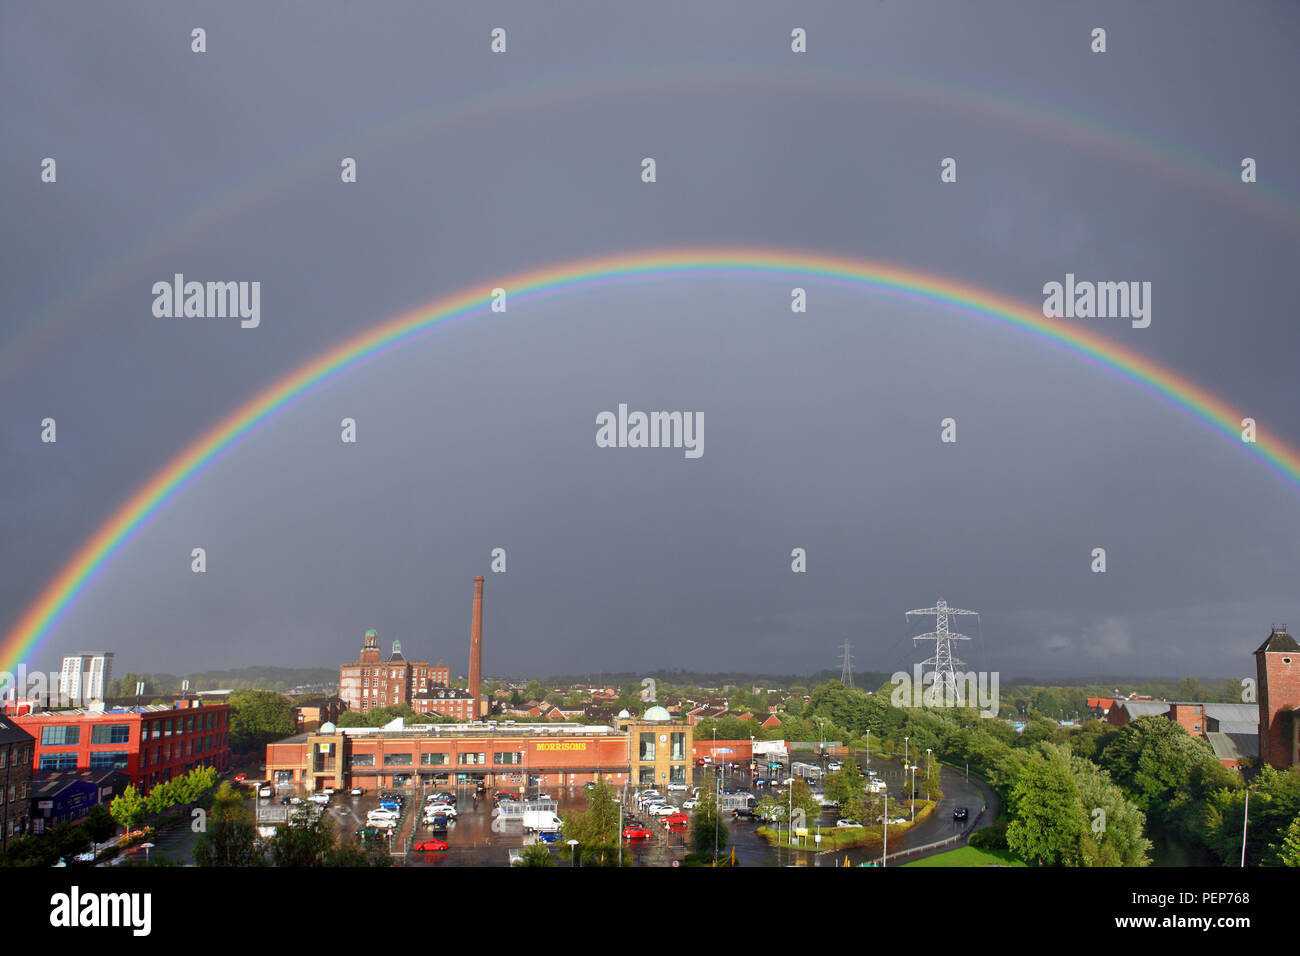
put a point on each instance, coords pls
(61, 593)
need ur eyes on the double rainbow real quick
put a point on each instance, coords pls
(72, 581)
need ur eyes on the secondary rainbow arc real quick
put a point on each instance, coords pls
(42, 616)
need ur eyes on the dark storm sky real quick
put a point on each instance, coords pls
(821, 429)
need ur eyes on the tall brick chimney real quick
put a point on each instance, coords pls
(476, 647)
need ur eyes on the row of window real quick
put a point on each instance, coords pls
(69, 735)
(430, 759)
(22, 756)
(19, 791)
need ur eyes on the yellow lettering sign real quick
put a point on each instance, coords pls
(563, 745)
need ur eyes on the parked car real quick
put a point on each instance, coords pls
(742, 813)
(264, 791)
(328, 791)
(848, 823)
(438, 822)
(358, 791)
(960, 813)
(678, 786)
(383, 823)
(382, 814)
(635, 831)
(662, 809)
(430, 846)
(437, 808)
(675, 820)
(240, 777)
(690, 804)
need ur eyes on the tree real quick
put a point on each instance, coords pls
(707, 830)
(377, 716)
(845, 785)
(536, 854)
(1048, 821)
(129, 808)
(230, 837)
(596, 828)
(1154, 757)
(258, 717)
(307, 841)
(99, 823)
(1289, 852)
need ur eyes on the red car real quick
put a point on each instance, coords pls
(634, 831)
(675, 820)
(240, 777)
(430, 846)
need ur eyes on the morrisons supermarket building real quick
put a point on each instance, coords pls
(502, 755)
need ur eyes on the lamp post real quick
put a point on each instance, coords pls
(913, 794)
(573, 848)
(868, 746)
(905, 740)
(717, 813)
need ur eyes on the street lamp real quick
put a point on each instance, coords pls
(905, 740)
(927, 761)
(913, 794)
(868, 746)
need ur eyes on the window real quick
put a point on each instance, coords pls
(648, 747)
(361, 760)
(508, 758)
(110, 733)
(62, 736)
(58, 761)
(397, 760)
(647, 775)
(471, 758)
(679, 746)
(429, 760)
(108, 760)
(167, 728)
(189, 725)
(677, 773)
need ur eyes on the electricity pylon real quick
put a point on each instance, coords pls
(846, 672)
(943, 663)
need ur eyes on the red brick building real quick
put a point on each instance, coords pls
(151, 743)
(1277, 663)
(500, 755)
(16, 747)
(372, 682)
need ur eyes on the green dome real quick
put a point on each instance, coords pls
(372, 633)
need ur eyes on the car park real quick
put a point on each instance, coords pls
(430, 846)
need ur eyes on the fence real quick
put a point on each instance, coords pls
(949, 841)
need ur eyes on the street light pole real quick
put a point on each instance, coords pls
(913, 794)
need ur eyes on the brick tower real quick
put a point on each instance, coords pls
(1277, 662)
(476, 648)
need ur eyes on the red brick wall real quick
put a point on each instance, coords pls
(1279, 693)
